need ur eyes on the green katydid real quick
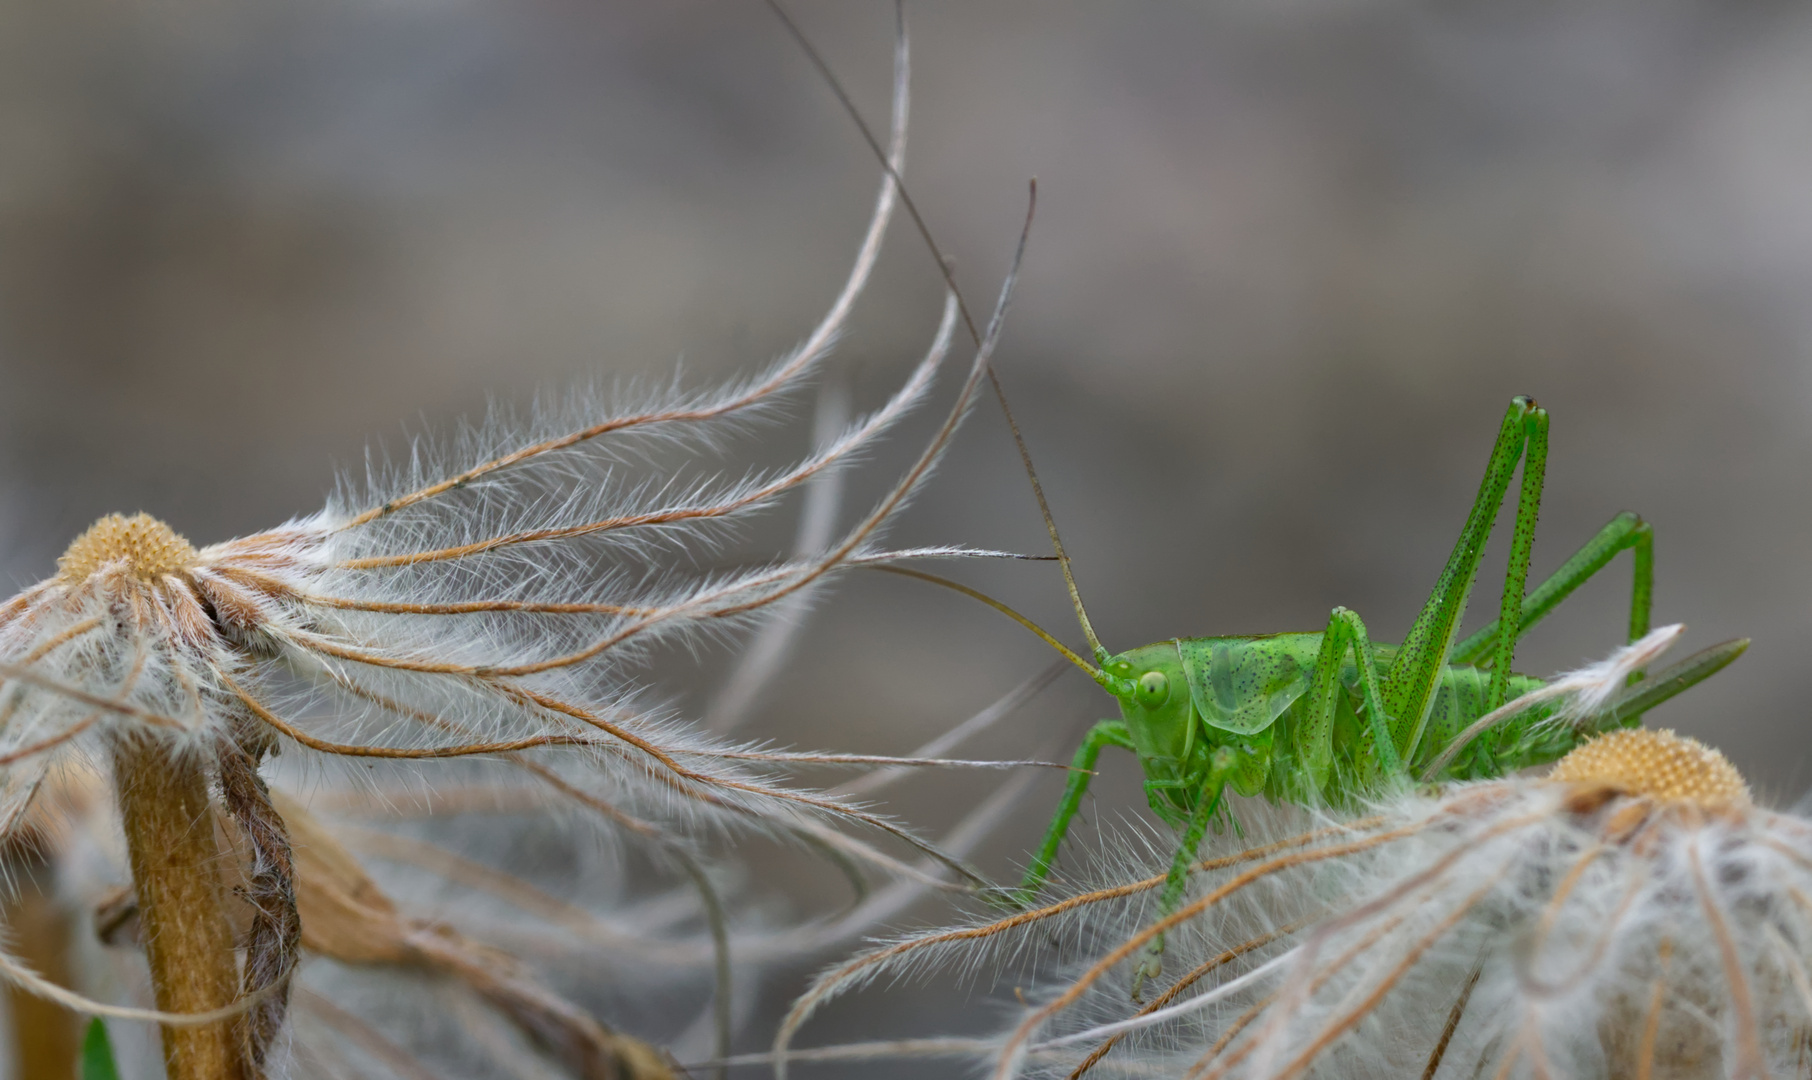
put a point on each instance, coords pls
(1330, 716)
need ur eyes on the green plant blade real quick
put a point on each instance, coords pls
(97, 1053)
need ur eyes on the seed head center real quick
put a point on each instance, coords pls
(1657, 764)
(148, 548)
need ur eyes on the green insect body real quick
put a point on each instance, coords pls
(1328, 718)
(1247, 700)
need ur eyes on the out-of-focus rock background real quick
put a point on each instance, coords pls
(1291, 261)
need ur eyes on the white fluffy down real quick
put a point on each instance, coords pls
(1517, 928)
(451, 646)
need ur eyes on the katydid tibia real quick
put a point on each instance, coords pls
(1329, 716)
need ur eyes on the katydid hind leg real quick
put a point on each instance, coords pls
(1642, 599)
(1409, 688)
(1626, 531)
(1522, 544)
(1082, 770)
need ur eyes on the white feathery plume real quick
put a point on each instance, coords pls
(770, 649)
(483, 602)
(431, 946)
(1631, 914)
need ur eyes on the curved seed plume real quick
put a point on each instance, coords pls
(1604, 920)
(1162, 1001)
(484, 606)
(869, 966)
(1016, 1041)
(1749, 1059)
(761, 389)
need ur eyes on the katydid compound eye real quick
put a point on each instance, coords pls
(1154, 689)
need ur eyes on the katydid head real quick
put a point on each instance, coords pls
(1153, 691)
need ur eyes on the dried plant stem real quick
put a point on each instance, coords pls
(175, 857)
(274, 937)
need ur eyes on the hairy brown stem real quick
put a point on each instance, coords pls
(175, 857)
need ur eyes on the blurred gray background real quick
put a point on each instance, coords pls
(1291, 261)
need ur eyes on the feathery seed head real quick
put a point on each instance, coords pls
(484, 603)
(146, 548)
(1634, 914)
(1657, 764)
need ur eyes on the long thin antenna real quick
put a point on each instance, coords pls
(949, 275)
(1050, 523)
(976, 594)
(868, 136)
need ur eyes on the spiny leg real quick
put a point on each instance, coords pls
(1315, 733)
(1625, 531)
(1522, 543)
(1157, 796)
(1409, 688)
(1082, 770)
(1151, 961)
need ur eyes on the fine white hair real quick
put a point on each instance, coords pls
(459, 633)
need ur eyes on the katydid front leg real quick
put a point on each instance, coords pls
(1157, 796)
(1151, 961)
(1082, 770)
